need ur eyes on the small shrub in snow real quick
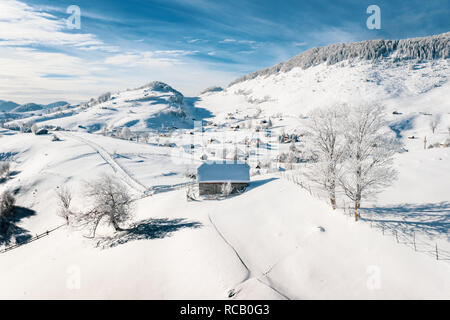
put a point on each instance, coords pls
(227, 188)
(434, 122)
(190, 193)
(125, 133)
(191, 175)
(34, 128)
(5, 169)
(7, 202)
(104, 97)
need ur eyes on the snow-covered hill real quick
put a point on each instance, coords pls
(276, 240)
(150, 107)
(394, 73)
(6, 106)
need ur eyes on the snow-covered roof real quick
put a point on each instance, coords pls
(224, 171)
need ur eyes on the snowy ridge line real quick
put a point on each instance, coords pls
(426, 48)
(402, 237)
(122, 173)
(233, 292)
(36, 237)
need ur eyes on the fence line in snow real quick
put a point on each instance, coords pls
(36, 237)
(402, 237)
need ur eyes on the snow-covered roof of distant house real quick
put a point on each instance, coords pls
(224, 171)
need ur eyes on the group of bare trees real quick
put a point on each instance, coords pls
(109, 202)
(353, 149)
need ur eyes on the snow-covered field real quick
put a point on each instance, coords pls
(274, 241)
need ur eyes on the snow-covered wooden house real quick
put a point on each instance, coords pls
(212, 175)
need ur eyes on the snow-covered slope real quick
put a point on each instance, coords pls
(276, 240)
(426, 48)
(391, 72)
(288, 246)
(6, 106)
(150, 107)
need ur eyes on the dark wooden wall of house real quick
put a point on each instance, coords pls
(216, 188)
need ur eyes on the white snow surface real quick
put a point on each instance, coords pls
(274, 241)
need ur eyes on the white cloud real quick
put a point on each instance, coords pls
(299, 44)
(29, 75)
(24, 74)
(228, 40)
(251, 43)
(33, 75)
(21, 24)
(159, 58)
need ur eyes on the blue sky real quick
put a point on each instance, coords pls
(189, 44)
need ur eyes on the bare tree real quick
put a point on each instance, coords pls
(146, 137)
(326, 143)
(64, 199)
(111, 201)
(105, 130)
(434, 122)
(34, 128)
(190, 193)
(370, 147)
(5, 170)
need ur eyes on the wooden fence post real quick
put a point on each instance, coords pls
(437, 253)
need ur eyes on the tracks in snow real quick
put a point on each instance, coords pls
(249, 275)
(118, 169)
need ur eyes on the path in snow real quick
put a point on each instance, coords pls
(118, 169)
(233, 292)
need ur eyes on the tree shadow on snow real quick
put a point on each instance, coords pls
(147, 230)
(10, 230)
(431, 219)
